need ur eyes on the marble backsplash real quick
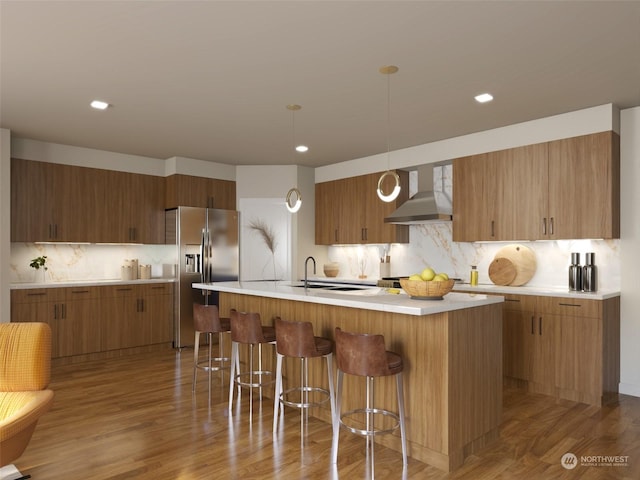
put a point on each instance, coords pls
(77, 262)
(431, 244)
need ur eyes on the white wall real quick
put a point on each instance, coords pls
(572, 124)
(630, 250)
(5, 222)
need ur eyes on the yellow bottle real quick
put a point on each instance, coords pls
(474, 276)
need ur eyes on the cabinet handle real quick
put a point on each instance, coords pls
(335, 235)
(124, 289)
(512, 300)
(79, 291)
(55, 311)
(39, 294)
(493, 228)
(64, 310)
(540, 325)
(210, 201)
(544, 226)
(569, 305)
(532, 331)
(55, 231)
(551, 226)
(50, 231)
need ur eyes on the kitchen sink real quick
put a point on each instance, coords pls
(331, 287)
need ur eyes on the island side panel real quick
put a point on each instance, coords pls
(425, 344)
(475, 372)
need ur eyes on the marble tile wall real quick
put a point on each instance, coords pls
(71, 262)
(431, 244)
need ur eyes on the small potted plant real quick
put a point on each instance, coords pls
(39, 263)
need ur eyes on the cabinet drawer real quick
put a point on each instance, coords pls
(576, 307)
(112, 291)
(37, 295)
(519, 303)
(81, 293)
(157, 289)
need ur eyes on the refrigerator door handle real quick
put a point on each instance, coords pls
(203, 275)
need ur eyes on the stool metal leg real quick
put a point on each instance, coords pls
(403, 437)
(277, 405)
(234, 369)
(336, 420)
(195, 361)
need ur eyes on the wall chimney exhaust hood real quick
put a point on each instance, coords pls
(432, 203)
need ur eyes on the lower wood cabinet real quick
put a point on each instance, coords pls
(94, 319)
(565, 347)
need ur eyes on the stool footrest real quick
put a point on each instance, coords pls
(367, 411)
(325, 394)
(204, 364)
(256, 373)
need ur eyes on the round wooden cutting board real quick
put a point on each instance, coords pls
(523, 260)
(502, 271)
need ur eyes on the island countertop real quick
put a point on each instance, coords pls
(367, 298)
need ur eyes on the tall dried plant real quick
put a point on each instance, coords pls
(268, 236)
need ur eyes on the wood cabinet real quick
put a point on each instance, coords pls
(191, 191)
(136, 315)
(348, 211)
(70, 312)
(86, 320)
(566, 347)
(63, 203)
(556, 190)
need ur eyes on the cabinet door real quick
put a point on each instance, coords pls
(39, 305)
(158, 308)
(31, 201)
(326, 220)
(119, 307)
(543, 330)
(584, 179)
(530, 179)
(147, 212)
(517, 337)
(191, 191)
(474, 198)
(79, 322)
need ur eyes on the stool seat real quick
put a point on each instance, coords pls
(394, 363)
(324, 346)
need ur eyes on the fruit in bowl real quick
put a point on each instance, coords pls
(435, 288)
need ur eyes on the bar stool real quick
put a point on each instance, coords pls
(296, 339)
(247, 329)
(365, 355)
(206, 319)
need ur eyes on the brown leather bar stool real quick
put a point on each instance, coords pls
(206, 319)
(247, 329)
(365, 355)
(296, 339)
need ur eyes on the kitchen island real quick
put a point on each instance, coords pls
(452, 351)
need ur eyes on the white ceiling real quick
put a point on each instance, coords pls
(210, 80)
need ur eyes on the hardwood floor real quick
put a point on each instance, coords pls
(136, 418)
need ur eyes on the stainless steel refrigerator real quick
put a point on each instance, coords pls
(208, 251)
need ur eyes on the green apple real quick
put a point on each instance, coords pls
(428, 274)
(415, 277)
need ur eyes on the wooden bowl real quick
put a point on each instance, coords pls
(331, 269)
(422, 290)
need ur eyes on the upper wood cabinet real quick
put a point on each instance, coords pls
(348, 211)
(190, 191)
(557, 190)
(63, 203)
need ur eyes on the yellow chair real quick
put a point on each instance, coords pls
(25, 371)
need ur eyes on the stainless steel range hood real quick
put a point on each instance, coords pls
(432, 203)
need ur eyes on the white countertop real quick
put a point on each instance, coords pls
(369, 298)
(538, 291)
(88, 283)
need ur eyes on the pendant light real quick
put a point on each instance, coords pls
(294, 192)
(388, 70)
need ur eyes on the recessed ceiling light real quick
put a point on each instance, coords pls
(100, 105)
(484, 97)
(302, 148)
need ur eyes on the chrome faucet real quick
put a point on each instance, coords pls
(305, 269)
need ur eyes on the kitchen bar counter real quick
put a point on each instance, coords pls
(451, 348)
(87, 283)
(537, 291)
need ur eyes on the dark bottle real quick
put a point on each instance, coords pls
(575, 273)
(590, 274)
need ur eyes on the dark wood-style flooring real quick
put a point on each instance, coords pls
(136, 418)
